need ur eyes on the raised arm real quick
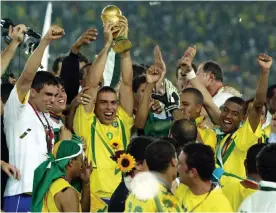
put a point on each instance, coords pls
(153, 75)
(185, 64)
(96, 70)
(255, 112)
(70, 70)
(126, 94)
(17, 36)
(24, 82)
(158, 60)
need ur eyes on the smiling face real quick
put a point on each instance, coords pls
(231, 116)
(60, 102)
(106, 107)
(45, 98)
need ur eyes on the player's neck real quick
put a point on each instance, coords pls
(68, 176)
(200, 187)
(214, 88)
(165, 178)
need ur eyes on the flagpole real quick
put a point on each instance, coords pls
(46, 27)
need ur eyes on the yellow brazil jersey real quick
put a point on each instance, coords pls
(207, 135)
(57, 186)
(213, 201)
(234, 191)
(99, 138)
(165, 201)
(265, 135)
(232, 148)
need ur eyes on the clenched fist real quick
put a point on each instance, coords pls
(55, 32)
(264, 61)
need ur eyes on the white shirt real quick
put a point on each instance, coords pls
(28, 152)
(261, 201)
(220, 98)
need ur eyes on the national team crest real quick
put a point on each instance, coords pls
(109, 135)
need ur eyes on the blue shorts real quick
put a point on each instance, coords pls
(18, 203)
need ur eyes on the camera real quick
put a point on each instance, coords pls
(31, 39)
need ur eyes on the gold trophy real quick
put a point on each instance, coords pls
(112, 14)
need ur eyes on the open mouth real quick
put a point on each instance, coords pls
(108, 115)
(61, 101)
(226, 123)
(49, 106)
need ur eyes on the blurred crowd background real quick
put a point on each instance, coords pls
(231, 33)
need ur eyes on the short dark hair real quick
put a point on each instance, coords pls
(159, 155)
(266, 163)
(202, 158)
(43, 78)
(270, 91)
(198, 95)
(137, 147)
(82, 70)
(213, 67)
(239, 101)
(173, 142)
(184, 131)
(58, 60)
(6, 91)
(247, 102)
(60, 81)
(251, 157)
(193, 66)
(106, 89)
(139, 69)
(137, 81)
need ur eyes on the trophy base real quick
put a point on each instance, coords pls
(121, 45)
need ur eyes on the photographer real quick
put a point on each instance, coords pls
(17, 36)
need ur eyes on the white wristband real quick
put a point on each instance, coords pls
(191, 75)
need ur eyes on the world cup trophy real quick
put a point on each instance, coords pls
(112, 14)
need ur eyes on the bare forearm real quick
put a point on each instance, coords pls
(85, 200)
(261, 90)
(97, 69)
(126, 94)
(7, 55)
(207, 97)
(211, 108)
(126, 68)
(143, 109)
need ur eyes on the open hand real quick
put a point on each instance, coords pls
(158, 61)
(83, 98)
(17, 33)
(185, 63)
(123, 26)
(86, 38)
(10, 170)
(153, 74)
(109, 29)
(86, 170)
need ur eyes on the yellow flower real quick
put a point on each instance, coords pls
(115, 144)
(126, 162)
(169, 201)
